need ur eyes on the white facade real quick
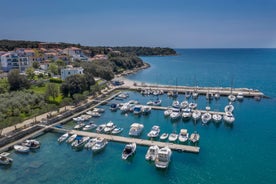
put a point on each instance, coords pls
(76, 53)
(66, 72)
(11, 60)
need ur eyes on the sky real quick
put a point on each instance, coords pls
(154, 23)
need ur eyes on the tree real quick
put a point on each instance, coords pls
(17, 81)
(52, 90)
(30, 73)
(35, 65)
(53, 68)
(74, 84)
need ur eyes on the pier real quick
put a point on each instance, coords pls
(142, 142)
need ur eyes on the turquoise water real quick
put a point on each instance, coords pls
(243, 153)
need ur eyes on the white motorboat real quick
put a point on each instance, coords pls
(80, 142)
(183, 135)
(154, 132)
(79, 125)
(95, 114)
(136, 129)
(21, 148)
(152, 153)
(117, 130)
(5, 160)
(114, 107)
(122, 96)
(168, 112)
(164, 136)
(163, 158)
(209, 96)
(109, 127)
(126, 107)
(184, 104)
(229, 108)
(146, 109)
(63, 137)
(240, 96)
(176, 113)
(188, 94)
(186, 113)
(229, 117)
(173, 137)
(196, 114)
(192, 105)
(137, 109)
(206, 117)
(100, 128)
(217, 95)
(78, 119)
(195, 95)
(31, 143)
(216, 117)
(71, 138)
(194, 137)
(176, 104)
(231, 97)
(128, 151)
(100, 145)
(157, 102)
(90, 126)
(99, 110)
(90, 143)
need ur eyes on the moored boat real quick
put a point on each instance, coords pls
(80, 142)
(146, 109)
(100, 145)
(229, 108)
(152, 153)
(163, 158)
(173, 137)
(89, 126)
(206, 117)
(31, 143)
(100, 128)
(154, 132)
(216, 117)
(196, 114)
(137, 109)
(229, 117)
(164, 136)
(128, 151)
(114, 107)
(231, 97)
(63, 137)
(240, 96)
(5, 160)
(109, 127)
(168, 112)
(194, 137)
(186, 113)
(183, 135)
(136, 129)
(21, 148)
(71, 138)
(117, 130)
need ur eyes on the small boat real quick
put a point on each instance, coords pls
(31, 143)
(168, 112)
(71, 138)
(90, 143)
(186, 113)
(5, 160)
(79, 125)
(95, 114)
(229, 108)
(183, 135)
(157, 102)
(78, 143)
(137, 109)
(196, 114)
(122, 96)
(192, 105)
(21, 148)
(188, 94)
(126, 107)
(146, 110)
(78, 119)
(100, 128)
(114, 107)
(152, 153)
(194, 137)
(163, 158)
(109, 127)
(209, 96)
(176, 104)
(176, 113)
(154, 132)
(217, 95)
(63, 137)
(195, 95)
(90, 126)
(117, 130)
(184, 104)
(206, 117)
(229, 117)
(164, 136)
(173, 137)
(240, 96)
(99, 110)
(216, 117)
(231, 97)
(136, 129)
(128, 151)
(99, 145)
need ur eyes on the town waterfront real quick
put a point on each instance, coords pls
(242, 153)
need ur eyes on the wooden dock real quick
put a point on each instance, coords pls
(142, 142)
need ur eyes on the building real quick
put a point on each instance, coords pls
(69, 71)
(12, 60)
(75, 53)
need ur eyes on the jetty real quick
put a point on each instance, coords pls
(142, 142)
(223, 91)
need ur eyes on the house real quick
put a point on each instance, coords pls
(75, 53)
(12, 60)
(69, 71)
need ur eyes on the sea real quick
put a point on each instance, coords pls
(242, 153)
